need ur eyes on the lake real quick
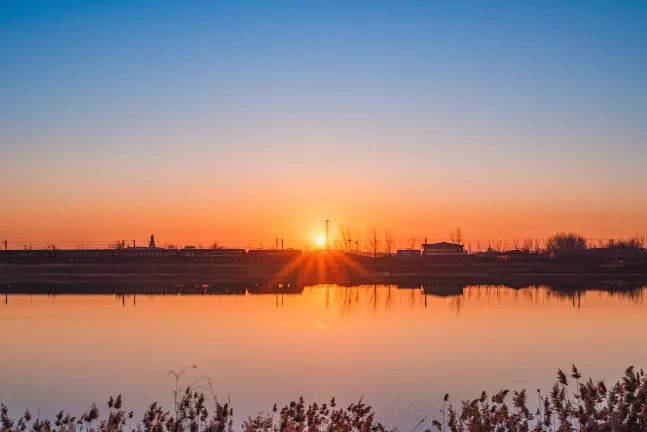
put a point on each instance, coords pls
(401, 349)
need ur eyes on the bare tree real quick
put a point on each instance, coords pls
(566, 242)
(373, 240)
(356, 240)
(457, 236)
(411, 243)
(339, 245)
(339, 241)
(118, 244)
(389, 241)
(51, 247)
(478, 246)
(635, 242)
(516, 245)
(215, 245)
(527, 246)
(346, 238)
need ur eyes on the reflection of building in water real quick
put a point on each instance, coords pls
(349, 297)
(275, 288)
(213, 288)
(152, 288)
(408, 286)
(444, 289)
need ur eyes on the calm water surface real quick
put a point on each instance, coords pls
(400, 349)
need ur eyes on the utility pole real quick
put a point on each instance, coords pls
(281, 244)
(276, 246)
(134, 244)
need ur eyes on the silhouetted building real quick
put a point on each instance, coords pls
(275, 288)
(442, 249)
(273, 255)
(146, 252)
(408, 254)
(211, 255)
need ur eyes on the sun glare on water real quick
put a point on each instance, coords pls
(320, 241)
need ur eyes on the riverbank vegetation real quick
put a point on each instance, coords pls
(573, 404)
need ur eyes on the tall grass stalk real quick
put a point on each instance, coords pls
(621, 407)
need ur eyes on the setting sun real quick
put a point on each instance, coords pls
(320, 241)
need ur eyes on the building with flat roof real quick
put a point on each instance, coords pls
(442, 249)
(408, 254)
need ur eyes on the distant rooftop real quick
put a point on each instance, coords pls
(442, 245)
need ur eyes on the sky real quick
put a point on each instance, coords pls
(247, 121)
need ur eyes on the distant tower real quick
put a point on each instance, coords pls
(5, 245)
(327, 242)
(151, 244)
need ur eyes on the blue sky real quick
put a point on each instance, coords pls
(521, 99)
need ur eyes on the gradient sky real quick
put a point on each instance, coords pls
(246, 121)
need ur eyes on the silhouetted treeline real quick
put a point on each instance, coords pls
(560, 248)
(618, 253)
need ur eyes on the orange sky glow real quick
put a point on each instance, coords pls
(254, 219)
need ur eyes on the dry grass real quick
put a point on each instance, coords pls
(575, 406)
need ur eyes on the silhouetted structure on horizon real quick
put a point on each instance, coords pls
(442, 249)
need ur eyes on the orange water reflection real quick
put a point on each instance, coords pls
(397, 347)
